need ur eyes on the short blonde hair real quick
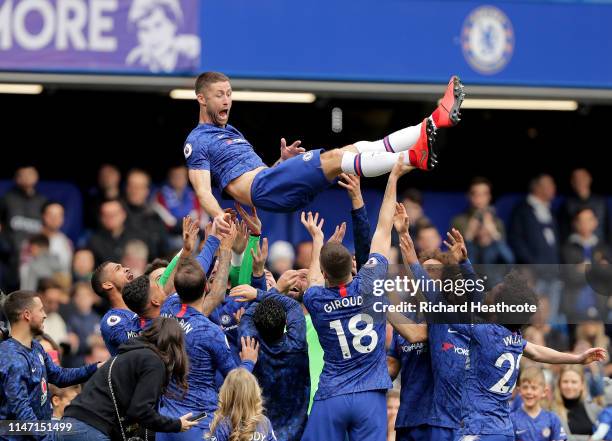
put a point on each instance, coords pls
(532, 374)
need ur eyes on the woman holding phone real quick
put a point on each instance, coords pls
(125, 391)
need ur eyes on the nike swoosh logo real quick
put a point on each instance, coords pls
(520, 432)
(451, 331)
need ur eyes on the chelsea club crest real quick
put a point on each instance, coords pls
(487, 39)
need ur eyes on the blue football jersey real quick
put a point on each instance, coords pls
(494, 359)
(545, 427)
(208, 352)
(222, 150)
(24, 377)
(117, 327)
(282, 368)
(350, 322)
(449, 349)
(416, 394)
(605, 417)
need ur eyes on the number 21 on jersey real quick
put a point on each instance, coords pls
(502, 386)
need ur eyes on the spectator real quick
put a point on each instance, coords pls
(139, 374)
(427, 240)
(556, 336)
(142, 218)
(107, 188)
(583, 252)
(42, 263)
(580, 198)
(480, 211)
(136, 256)
(304, 251)
(240, 412)
(174, 201)
(51, 295)
(83, 265)
(593, 374)
(281, 258)
(487, 244)
(82, 320)
(62, 397)
(109, 241)
(534, 235)
(20, 213)
(577, 414)
(59, 244)
(96, 349)
(50, 347)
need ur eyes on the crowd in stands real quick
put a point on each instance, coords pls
(126, 221)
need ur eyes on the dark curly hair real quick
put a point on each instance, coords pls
(270, 320)
(514, 290)
(136, 294)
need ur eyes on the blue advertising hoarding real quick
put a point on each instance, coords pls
(530, 43)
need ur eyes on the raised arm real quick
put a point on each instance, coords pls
(315, 228)
(381, 241)
(200, 180)
(543, 354)
(217, 292)
(359, 216)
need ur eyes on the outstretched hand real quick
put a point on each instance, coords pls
(190, 234)
(593, 354)
(313, 226)
(243, 293)
(352, 184)
(400, 219)
(401, 167)
(289, 151)
(408, 250)
(456, 245)
(242, 237)
(260, 255)
(227, 241)
(288, 280)
(250, 349)
(339, 233)
(252, 220)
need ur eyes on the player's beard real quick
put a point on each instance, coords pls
(37, 329)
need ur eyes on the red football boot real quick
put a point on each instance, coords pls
(423, 154)
(447, 114)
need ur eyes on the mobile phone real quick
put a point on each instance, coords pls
(198, 417)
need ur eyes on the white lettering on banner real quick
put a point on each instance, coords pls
(22, 35)
(98, 24)
(71, 19)
(63, 25)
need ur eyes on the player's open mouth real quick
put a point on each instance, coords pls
(223, 113)
(130, 276)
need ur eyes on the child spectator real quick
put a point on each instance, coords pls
(62, 397)
(240, 413)
(531, 422)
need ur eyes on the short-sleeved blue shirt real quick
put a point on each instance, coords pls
(222, 150)
(352, 332)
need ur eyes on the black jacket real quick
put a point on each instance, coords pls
(138, 376)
